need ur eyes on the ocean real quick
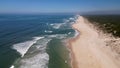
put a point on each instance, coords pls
(35, 41)
(39, 41)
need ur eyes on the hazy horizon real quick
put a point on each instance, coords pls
(58, 6)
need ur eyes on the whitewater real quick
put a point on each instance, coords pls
(33, 52)
(92, 44)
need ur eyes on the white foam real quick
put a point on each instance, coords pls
(76, 17)
(48, 31)
(12, 66)
(66, 23)
(42, 44)
(23, 47)
(38, 61)
(69, 33)
(51, 24)
(52, 36)
(57, 25)
(59, 36)
(36, 57)
(72, 18)
(76, 33)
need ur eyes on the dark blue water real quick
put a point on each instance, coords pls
(19, 32)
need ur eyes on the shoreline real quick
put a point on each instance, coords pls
(73, 61)
(81, 51)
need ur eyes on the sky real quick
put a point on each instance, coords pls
(57, 6)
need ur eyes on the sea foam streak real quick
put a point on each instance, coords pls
(38, 61)
(33, 52)
(36, 57)
(56, 25)
(48, 31)
(65, 23)
(23, 47)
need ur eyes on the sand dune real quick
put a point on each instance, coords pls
(88, 50)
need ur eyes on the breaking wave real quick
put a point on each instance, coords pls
(23, 47)
(56, 25)
(66, 22)
(34, 51)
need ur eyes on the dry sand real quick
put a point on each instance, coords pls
(88, 50)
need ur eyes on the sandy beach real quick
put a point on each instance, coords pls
(88, 49)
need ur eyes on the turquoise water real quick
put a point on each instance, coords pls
(35, 41)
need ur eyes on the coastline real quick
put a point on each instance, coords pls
(85, 55)
(73, 62)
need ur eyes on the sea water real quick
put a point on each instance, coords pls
(35, 41)
(38, 41)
